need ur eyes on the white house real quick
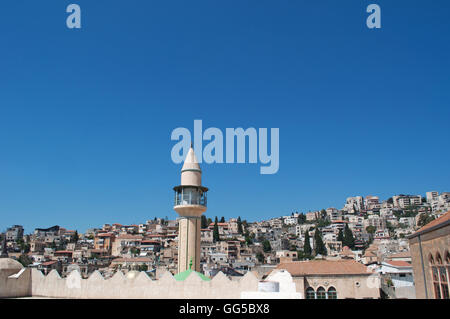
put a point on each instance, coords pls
(401, 275)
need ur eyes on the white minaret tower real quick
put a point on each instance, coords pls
(190, 204)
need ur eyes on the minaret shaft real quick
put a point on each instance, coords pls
(189, 244)
(190, 204)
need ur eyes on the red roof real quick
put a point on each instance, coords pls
(398, 263)
(325, 267)
(63, 252)
(105, 235)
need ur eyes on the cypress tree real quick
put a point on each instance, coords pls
(216, 235)
(318, 244)
(204, 222)
(239, 225)
(307, 246)
(340, 236)
(349, 240)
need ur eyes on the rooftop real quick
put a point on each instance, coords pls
(398, 263)
(324, 267)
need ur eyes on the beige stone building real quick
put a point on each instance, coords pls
(429, 248)
(325, 279)
(124, 241)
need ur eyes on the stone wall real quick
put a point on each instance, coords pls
(347, 286)
(433, 242)
(139, 285)
(15, 283)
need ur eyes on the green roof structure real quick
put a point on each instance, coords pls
(183, 275)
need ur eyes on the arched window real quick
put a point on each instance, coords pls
(332, 294)
(438, 259)
(439, 273)
(431, 259)
(310, 293)
(321, 293)
(447, 257)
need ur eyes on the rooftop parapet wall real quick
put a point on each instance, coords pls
(15, 283)
(137, 285)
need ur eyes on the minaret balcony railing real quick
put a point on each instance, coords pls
(190, 196)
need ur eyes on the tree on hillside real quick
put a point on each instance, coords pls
(216, 235)
(349, 240)
(301, 219)
(75, 237)
(248, 238)
(260, 256)
(239, 225)
(370, 229)
(25, 260)
(266, 246)
(319, 246)
(340, 236)
(204, 222)
(424, 219)
(307, 246)
(222, 220)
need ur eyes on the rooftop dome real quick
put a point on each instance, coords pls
(8, 264)
(182, 276)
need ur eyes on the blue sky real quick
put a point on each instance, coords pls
(86, 115)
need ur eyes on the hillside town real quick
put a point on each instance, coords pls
(364, 232)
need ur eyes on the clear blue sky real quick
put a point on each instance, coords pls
(86, 115)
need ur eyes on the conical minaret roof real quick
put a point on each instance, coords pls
(191, 162)
(191, 173)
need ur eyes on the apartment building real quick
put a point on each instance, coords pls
(125, 242)
(432, 196)
(14, 233)
(403, 201)
(372, 202)
(311, 216)
(354, 204)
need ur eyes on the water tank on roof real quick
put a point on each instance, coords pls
(268, 286)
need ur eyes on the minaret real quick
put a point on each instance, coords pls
(190, 204)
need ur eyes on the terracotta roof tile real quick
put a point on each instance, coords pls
(325, 267)
(398, 263)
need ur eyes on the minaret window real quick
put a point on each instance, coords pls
(188, 195)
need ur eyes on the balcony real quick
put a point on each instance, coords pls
(191, 195)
